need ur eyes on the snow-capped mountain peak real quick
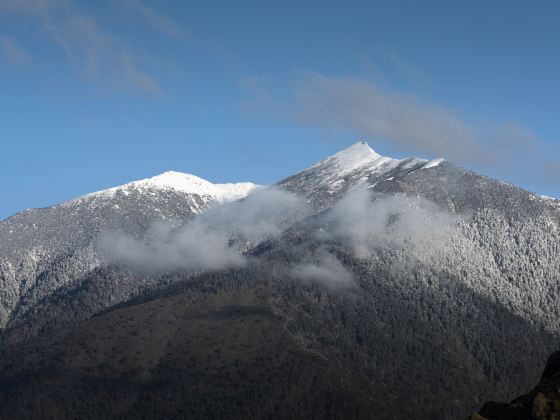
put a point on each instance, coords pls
(184, 183)
(356, 165)
(361, 156)
(357, 156)
(358, 159)
(192, 184)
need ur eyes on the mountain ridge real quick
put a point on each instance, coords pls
(181, 182)
(486, 286)
(358, 156)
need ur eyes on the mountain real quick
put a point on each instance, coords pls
(44, 252)
(365, 287)
(208, 355)
(507, 248)
(329, 179)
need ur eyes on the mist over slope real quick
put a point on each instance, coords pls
(52, 250)
(408, 287)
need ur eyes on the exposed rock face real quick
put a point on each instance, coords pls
(542, 403)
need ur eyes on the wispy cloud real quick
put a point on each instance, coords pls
(101, 56)
(213, 240)
(323, 268)
(403, 121)
(194, 247)
(366, 223)
(414, 125)
(13, 51)
(219, 238)
(159, 21)
(399, 118)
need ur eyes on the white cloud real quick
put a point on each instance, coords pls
(218, 238)
(399, 118)
(367, 223)
(323, 268)
(194, 247)
(416, 126)
(213, 240)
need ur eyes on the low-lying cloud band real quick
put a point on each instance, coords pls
(220, 237)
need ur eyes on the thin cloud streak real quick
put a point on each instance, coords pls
(13, 51)
(412, 125)
(160, 22)
(101, 57)
(401, 119)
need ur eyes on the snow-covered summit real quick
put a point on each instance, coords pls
(360, 156)
(185, 183)
(357, 156)
(357, 165)
(433, 163)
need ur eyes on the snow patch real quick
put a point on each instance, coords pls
(358, 156)
(433, 163)
(549, 199)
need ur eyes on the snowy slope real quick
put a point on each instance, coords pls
(361, 157)
(44, 250)
(178, 182)
(327, 180)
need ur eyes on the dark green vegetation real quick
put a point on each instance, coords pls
(250, 344)
(217, 355)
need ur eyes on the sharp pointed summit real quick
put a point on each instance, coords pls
(356, 165)
(359, 147)
(356, 156)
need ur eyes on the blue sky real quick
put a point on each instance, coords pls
(96, 94)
